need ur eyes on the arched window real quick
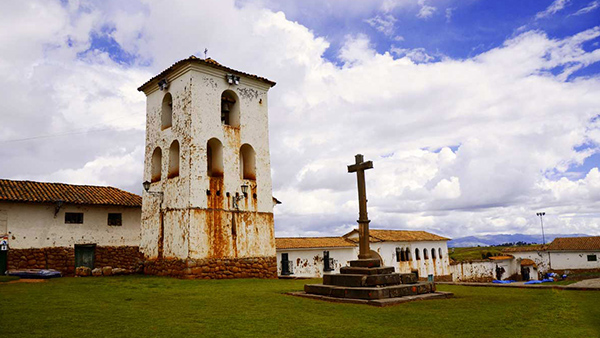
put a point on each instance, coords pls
(417, 257)
(400, 255)
(214, 157)
(167, 111)
(247, 162)
(156, 167)
(407, 255)
(230, 109)
(440, 253)
(432, 253)
(174, 159)
(425, 254)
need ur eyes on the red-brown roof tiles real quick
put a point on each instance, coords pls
(399, 236)
(526, 248)
(575, 243)
(501, 258)
(209, 62)
(311, 242)
(43, 192)
(528, 262)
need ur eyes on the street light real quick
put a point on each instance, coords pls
(541, 215)
(238, 198)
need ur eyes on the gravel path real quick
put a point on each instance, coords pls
(588, 283)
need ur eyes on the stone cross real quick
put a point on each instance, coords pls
(363, 220)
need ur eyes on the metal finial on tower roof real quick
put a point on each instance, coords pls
(205, 52)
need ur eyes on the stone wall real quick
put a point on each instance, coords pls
(63, 258)
(124, 257)
(213, 268)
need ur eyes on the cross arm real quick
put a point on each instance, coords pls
(360, 166)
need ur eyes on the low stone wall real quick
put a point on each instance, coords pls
(213, 268)
(63, 258)
(124, 257)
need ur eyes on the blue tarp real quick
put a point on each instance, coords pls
(546, 280)
(35, 273)
(503, 281)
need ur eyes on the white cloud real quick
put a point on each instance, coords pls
(416, 54)
(590, 7)
(554, 8)
(449, 12)
(383, 24)
(459, 146)
(425, 11)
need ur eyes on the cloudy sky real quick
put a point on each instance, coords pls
(477, 114)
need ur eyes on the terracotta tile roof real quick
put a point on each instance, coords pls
(42, 192)
(209, 62)
(501, 258)
(526, 248)
(311, 242)
(399, 236)
(528, 262)
(575, 243)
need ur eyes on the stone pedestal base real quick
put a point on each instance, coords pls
(367, 280)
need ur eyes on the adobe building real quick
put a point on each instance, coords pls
(63, 226)
(208, 209)
(407, 251)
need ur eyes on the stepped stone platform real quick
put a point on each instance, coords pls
(366, 281)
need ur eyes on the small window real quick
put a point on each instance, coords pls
(432, 253)
(440, 253)
(417, 256)
(167, 111)
(115, 219)
(592, 258)
(156, 167)
(173, 160)
(230, 109)
(407, 254)
(247, 162)
(425, 254)
(214, 158)
(399, 255)
(74, 217)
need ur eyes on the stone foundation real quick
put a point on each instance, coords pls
(214, 268)
(124, 257)
(63, 258)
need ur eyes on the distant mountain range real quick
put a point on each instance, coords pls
(488, 240)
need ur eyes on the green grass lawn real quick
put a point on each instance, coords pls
(143, 306)
(474, 253)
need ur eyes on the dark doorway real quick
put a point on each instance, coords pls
(85, 255)
(285, 265)
(3, 262)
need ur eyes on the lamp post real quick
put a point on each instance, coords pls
(238, 198)
(161, 237)
(541, 215)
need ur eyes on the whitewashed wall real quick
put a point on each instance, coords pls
(430, 266)
(565, 260)
(539, 257)
(190, 230)
(32, 225)
(477, 270)
(309, 262)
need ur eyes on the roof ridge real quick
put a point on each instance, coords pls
(62, 183)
